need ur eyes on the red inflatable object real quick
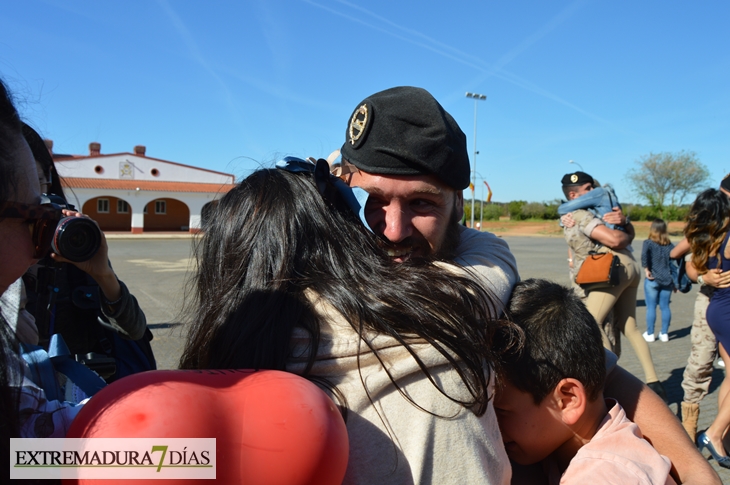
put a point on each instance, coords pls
(270, 427)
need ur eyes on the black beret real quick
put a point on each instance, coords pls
(405, 131)
(576, 178)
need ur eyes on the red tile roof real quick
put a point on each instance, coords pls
(110, 184)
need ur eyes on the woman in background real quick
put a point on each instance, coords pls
(24, 238)
(659, 282)
(707, 230)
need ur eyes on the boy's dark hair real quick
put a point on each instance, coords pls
(562, 340)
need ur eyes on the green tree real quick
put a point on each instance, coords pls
(667, 177)
(533, 210)
(515, 209)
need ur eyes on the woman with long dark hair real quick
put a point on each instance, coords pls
(707, 230)
(24, 410)
(289, 278)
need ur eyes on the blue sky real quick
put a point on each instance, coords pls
(235, 85)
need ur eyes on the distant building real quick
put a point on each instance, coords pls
(136, 193)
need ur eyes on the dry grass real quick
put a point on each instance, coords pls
(551, 228)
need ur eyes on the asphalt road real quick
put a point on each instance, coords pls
(157, 271)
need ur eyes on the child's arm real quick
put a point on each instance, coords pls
(585, 201)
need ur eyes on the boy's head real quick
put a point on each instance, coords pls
(548, 384)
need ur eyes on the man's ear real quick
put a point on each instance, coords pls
(572, 194)
(459, 204)
(570, 397)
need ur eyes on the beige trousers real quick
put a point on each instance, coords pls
(622, 300)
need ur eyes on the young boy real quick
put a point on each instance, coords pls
(550, 403)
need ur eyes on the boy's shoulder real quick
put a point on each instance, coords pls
(618, 452)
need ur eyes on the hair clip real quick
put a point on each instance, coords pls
(355, 197)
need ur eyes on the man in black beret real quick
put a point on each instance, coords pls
(410, 155)
(571, 182)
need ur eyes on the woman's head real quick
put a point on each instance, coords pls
(47, 175)
(707, 223)
(268, 239)
(658, 232)
(277, 240)
(18, 185)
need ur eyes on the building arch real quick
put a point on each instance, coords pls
(111, 213)
(166, 214)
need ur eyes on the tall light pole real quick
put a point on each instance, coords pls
(477, 97)
(581, 168)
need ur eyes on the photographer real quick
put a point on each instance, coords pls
(79, 296)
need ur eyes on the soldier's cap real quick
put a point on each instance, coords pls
(725, 184)
(576, 178)
(405, 131)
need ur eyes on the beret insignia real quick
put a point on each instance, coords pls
(574, 178)
(358, 124)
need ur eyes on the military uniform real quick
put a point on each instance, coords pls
(621, 298)
(698, 373)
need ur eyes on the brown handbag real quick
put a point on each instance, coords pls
(598, 271)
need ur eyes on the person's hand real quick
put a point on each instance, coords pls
(98, 266)
(567, 220)
(716, 278)
(616, 217)
(648, 274)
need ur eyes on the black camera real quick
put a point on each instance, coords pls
(75, 238)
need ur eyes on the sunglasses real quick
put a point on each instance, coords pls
(43, 220)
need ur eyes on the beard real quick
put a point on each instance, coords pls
(420, 249)
(452, 238)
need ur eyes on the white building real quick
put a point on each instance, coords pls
(133, 192)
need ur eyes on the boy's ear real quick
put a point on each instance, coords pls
(570, 397)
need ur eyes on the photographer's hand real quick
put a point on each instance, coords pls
(98, 266)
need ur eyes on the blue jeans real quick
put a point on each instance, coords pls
(654, 294)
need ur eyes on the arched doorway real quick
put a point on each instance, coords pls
(111, 213)
(166, 215)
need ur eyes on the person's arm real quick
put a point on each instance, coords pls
(714, 277)
(585, 201)
(612, 238)
(660, 427)
(680, 249)
(117, 304)
(489, 258)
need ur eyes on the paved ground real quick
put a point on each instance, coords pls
(156, 271)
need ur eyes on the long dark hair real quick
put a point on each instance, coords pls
(274, 241)
(9, 365)
(9, 131)
(42, 155)
(707, 224)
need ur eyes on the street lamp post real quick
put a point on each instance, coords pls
(476, 97)
(576, 163)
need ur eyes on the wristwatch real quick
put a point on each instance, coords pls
(701, 280)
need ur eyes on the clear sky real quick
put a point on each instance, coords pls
(235, 85)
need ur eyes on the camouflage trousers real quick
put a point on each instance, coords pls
(698, 373)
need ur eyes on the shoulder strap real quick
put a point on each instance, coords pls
(43, 366)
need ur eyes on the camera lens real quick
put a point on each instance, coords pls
(76, 239)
